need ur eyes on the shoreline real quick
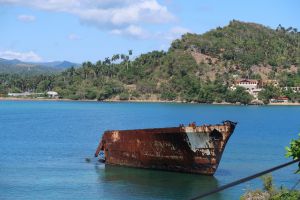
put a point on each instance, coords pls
(284, 104)
(139, 101)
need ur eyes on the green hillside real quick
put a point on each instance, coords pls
(198, 68)
(246, 44)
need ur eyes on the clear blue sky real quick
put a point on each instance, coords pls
(81, 30)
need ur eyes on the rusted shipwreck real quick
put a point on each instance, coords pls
(191, 149)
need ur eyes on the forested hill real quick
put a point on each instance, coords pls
(246, 44)
(197, 68)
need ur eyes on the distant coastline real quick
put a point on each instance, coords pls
(136, 101)
(37, 99)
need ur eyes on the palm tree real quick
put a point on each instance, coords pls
(115, 57)
(107, 61)
(127, 61)
(123, 57)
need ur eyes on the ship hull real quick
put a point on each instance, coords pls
(190, 149)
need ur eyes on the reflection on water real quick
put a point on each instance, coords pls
(134, 183)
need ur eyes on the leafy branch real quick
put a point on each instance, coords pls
(294, 151)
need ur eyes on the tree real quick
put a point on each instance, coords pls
(115, 57)
(238, 95)
(293, 151)
(107, 61)
(269, 92)
(43, 86)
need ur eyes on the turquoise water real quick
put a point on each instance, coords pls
(43, 146)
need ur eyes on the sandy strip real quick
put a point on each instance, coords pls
(284, 104)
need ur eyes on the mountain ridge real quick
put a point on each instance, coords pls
(22, 67)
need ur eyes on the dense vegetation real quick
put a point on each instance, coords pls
(247, 44)
(196, 68)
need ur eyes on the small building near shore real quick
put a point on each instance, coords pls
(52, 94)
(21, 94)
(280, 100)
(24, 94)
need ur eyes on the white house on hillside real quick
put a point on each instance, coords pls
(252, 86)
(249, 84)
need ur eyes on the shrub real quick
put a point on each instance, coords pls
(168, 95)
(124, 96)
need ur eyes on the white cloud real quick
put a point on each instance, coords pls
(106, 14)
(26, 18)
(73, 36)
(135, 12)
(24, 56)
(132, 31)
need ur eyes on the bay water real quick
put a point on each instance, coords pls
(44, 144)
